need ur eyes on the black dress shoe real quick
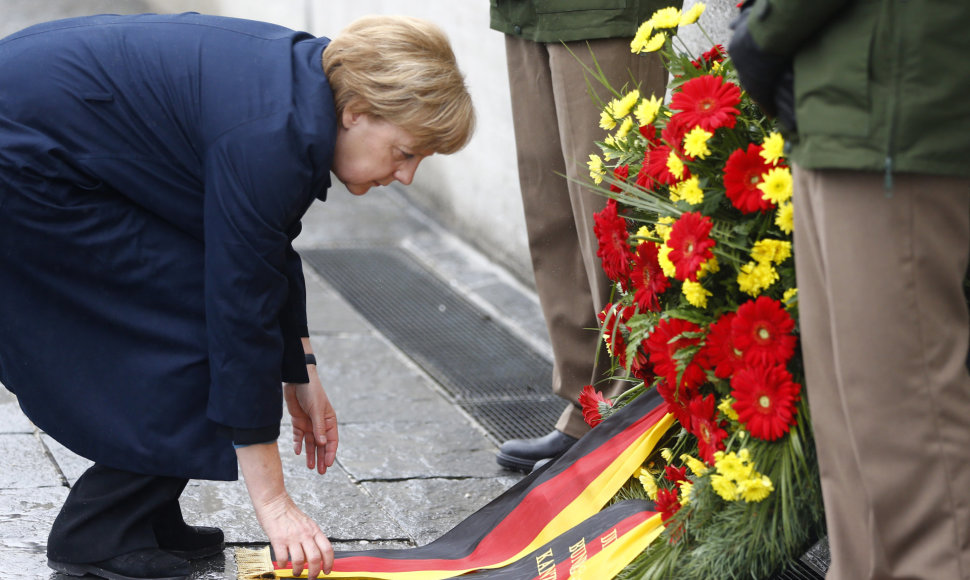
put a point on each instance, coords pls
(522, 454)
(145, 564)
(191, 542)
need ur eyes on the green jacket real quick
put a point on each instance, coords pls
(880, 85)
(570, 20)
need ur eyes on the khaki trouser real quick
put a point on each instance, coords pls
(884, 329)
(556, 125)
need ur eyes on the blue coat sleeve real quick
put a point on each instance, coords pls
(256, 189)
(293, 319)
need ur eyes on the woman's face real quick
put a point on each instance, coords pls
(371, 152)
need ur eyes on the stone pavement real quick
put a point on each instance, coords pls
(410, 464)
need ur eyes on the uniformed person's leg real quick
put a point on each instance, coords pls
(556, 125)
(577, 115)
(894, 265)
(553, 244)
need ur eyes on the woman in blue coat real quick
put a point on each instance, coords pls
(153, 174)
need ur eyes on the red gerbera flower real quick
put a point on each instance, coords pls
(675, 474)
(673, 134)
(716, 54)
(719, 347)
(612, 324)
(704, 426)
(614, 246)
(743, 172)
(762, 331)
(708, 102)
(649, 280)
(765, 397)
(640, 366)
(678, 399)
(594, 404)
(655, 166)
(649, 133)
(690, 244)
(670, 336)
(620, 173)
(668, 504)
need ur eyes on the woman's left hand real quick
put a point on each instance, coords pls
(314, 421)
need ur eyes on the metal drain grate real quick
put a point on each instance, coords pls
(492, 374)
(811, 566)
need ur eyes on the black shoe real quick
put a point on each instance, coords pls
(193, 542)
(180, 539)
(145, 564)
(522, 454)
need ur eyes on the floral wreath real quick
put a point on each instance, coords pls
(697, 238)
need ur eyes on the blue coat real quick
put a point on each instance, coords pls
(153, 174)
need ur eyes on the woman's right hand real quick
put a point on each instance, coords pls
(291, 532)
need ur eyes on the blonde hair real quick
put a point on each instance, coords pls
(402, 69)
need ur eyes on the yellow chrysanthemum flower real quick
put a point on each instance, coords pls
(790, 297)
(663, 257)
(726, 407)
(695, 143)
(695, 465)
(644, 32)
(624, 105)
(777, 185)
(709, 266)
(656, 42)
(648, 483)
(596, 171)
(755, 277)
(674, 164)
(785, 218)
(690, 191)
(736, 478)
(686, 489)
(663, 226)
(607, 122)
(667, 454)
(692, 14)
(733, 465)
(612, 145)
(668, 17)
(624, 129)
(646, 111)
(773, 148)
(643, 232)
(695, 293)
(771, 251)
(724, 487)
(674, 192)
(755, 488)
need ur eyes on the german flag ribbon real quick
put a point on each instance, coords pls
(555, 508)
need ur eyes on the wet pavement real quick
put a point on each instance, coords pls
(410, 465)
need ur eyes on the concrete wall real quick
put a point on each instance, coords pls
(474, 192)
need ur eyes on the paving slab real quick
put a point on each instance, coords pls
(367, 380)
(26, 516)
(418, 504)
(12, 419)
(26, 464)
(383, 217)
(413, 449)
